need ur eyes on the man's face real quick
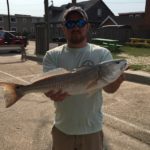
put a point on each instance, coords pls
(76, 35)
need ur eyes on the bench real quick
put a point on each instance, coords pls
(139, 42)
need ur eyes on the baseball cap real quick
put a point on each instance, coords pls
(75, 9)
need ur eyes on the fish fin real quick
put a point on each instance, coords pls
(11, 96)
(80, 68)
(50, 73)
(91, 84)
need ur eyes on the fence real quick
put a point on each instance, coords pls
(122, 33)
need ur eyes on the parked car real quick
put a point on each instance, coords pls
(7, 38)
(59, 39)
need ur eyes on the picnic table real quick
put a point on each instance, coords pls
(111, 44)
(139, 42)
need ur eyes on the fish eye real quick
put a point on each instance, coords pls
(17, 87)
(117, 62)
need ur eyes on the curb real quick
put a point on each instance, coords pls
(142, 79)
(35, 58)
(127, 128)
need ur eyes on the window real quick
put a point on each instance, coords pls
(32, 29)
(13, 19)
(24, 20)
(13, 29)
(131, 16)
(58, 25)
(1, 34)
(51, 25)
(50, 12)
(137, 16)
(1, 19)
(34, 20)
(1, 28)
(99, 12)
(25, 29)
(41, 20)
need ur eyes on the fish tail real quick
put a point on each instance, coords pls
(11, 95)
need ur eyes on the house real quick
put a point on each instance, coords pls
(96, 10)
(138, 21)
(100, 15)
(20, 23)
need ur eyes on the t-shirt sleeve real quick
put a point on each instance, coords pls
(106, 55)
(49, 62)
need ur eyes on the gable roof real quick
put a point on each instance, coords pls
(86, 5)
(109, 18)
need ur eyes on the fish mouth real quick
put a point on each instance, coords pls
(124, 66)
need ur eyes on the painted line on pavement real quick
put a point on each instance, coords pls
(18, 78)
(30, 76)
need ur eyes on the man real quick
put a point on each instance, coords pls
(78, 120)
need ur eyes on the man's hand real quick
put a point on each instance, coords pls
(57, 96)
(112, 87)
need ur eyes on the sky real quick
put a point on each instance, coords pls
(36, 7)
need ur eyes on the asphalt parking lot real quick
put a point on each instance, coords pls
(27, 124)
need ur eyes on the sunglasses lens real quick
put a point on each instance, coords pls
(70, 24)
(81, 23)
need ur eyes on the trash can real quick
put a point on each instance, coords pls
(41, 38)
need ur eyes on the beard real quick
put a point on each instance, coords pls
(76, 38)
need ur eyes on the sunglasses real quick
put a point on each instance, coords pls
(70, 24)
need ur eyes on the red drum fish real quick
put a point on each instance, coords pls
(78, 81)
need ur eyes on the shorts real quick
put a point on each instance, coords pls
(62, 141)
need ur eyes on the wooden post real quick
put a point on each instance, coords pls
(23, 53)
(46, 17)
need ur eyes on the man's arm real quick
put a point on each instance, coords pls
(113, 87)
(49, 64)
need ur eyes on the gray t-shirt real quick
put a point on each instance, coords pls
(79, 114)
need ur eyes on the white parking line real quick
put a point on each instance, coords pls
(14, 77)
(18, 78)
(30, 76)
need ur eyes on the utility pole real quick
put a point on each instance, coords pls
(8, 15)
(52, 2)
(46, 18)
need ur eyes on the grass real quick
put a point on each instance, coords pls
(134, 52)
(140, 67)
